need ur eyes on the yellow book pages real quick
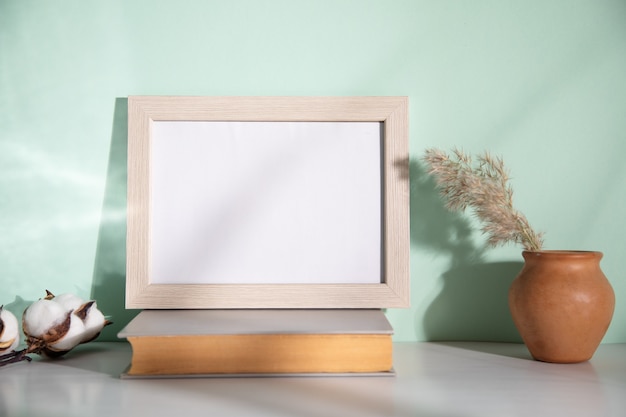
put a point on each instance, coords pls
(236, 354)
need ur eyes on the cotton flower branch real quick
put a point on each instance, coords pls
(482, 185)
(52, 325)
(14, 356)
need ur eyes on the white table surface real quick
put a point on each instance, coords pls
(433, 379)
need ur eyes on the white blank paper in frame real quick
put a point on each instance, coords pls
(266, 203)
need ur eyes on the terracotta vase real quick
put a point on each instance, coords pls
(562, 304)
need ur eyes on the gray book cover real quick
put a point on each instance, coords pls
(250, 321)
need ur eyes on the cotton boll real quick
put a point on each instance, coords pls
(9, 331)
(93, 319)
(71, 338)
(42, 316)
(55, 325)
(69, 301)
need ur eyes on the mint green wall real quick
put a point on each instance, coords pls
(541, 83)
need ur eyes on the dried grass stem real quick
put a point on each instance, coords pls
(482, 185)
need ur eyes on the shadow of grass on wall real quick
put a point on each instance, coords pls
(473, 302)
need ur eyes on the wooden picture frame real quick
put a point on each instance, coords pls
(150, 115)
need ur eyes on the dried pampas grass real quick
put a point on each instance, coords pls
(482, 185)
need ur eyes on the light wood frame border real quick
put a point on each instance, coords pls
(391, 111)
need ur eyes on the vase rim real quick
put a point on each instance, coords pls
(566, 252)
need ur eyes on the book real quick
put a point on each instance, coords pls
(259, 342)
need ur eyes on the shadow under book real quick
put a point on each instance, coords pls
(171, 343)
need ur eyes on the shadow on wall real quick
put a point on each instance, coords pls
(473, 302)
(109, 274)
